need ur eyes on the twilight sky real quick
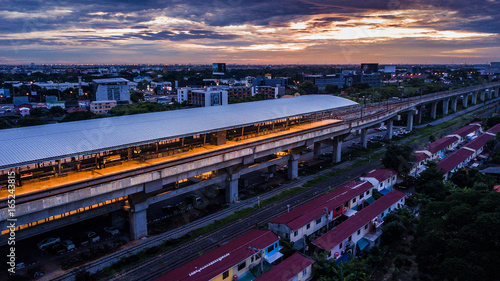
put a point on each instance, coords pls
(249, 31)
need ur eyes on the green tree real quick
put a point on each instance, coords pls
(398, 158)
(136, 97)
(30, 121)
(38, 112)
(430, 182)
(4, 124)
(57, 111)
(309, 88)
(331, 89)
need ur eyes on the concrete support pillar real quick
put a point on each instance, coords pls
(337, 150)
(409, 122)
(482, 95)
(454, 104)
(293, 167)
(490, 93)
(434, 106)
(317, 149)
(59, 167)
(420, 113)
(138, 215)
(446, 105)
(495, 92)
(465, 99)
(138, 224)
(364, 137)
(389, 129)
(232, 188)
(474, 98)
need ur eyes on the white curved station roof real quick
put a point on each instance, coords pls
(54, 141)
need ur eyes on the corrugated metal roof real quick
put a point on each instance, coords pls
(53, 141)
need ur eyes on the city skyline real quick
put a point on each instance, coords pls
(256, 32)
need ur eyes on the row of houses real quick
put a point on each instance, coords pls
(439, 149)
(312, 225)
(464, 155)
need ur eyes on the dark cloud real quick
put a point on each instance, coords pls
(183, 36)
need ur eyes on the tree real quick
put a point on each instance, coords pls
(57, 111)
(30, 121)
(430, 182)
(309, 88)
(4, 124)
(136, 96)
(78, 115)
(398, 158)
(392, 231)
(38, 112)
(331, 89)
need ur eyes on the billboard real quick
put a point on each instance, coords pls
(218, 68)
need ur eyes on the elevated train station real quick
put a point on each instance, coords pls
(51, 159)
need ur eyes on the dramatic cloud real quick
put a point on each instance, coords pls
(271, 31)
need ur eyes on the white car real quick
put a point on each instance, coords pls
(47, 242)
(111, 230)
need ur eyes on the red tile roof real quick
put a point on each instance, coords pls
(463, 132)
(479, 142)
(287, 269)
(334, 237)
(420, 156)
(453, 160)
(441, 144)
(495, 129)
(381, 174)
(312, 210)
(215, 262)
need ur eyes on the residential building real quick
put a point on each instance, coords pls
(102, 107)
(297, 268)
(361, 231)
(264, 81)
(382, 179)
(116, 89)
(268, 92)
(233, 259)
(368, 68)
(210, 96)
(59, 86)
(312, 218)
(456, 160)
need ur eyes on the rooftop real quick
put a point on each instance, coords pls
(215, 262)
(454, 159)
(110, 80)
(464, 131)
(441, 144)
(287, 269)
(380, 174)
(334, 237)
(54, 141)
(479, 142)
(314, 209)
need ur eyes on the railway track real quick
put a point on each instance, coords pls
(165, 262)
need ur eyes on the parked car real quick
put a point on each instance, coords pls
(92, 236)
(69, 245)
(378, 138)
(57, 249)
(111, 230)
(48, 242)
(381, 128)
(194, 200)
